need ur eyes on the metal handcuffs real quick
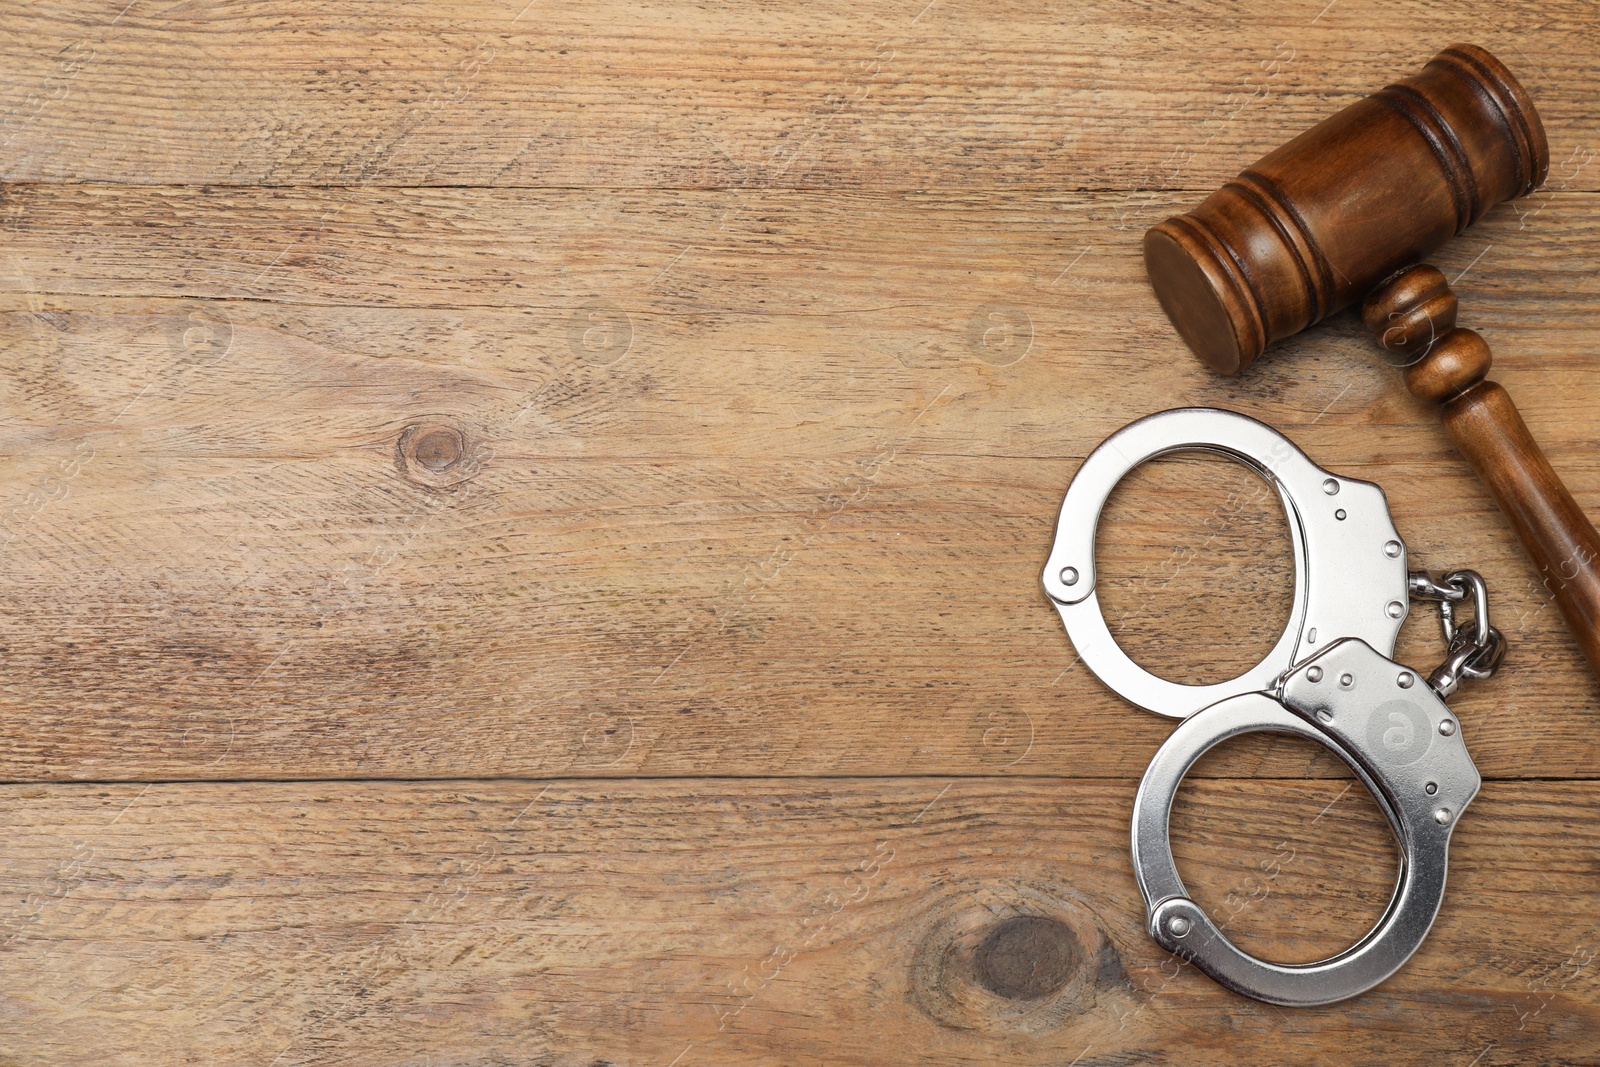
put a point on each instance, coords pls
(1329, 678)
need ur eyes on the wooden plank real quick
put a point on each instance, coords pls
(914, 921)
(561, 93)
(773, 505)
(622, 395)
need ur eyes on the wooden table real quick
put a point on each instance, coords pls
(522, 525)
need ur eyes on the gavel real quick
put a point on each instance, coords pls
(1347, 211)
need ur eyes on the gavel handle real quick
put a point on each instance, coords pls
(1485, 425)
(1415, 312)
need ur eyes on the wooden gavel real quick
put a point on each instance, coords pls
(1346, 211)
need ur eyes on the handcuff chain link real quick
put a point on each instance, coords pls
(1474, 652)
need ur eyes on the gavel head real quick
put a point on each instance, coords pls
(1313, 226)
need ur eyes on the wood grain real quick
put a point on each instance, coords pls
(617, 94)
(838, 921)
(767, 506)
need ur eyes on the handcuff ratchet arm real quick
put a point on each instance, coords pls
(1404, 744)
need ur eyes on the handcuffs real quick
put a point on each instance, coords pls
(1329, 679)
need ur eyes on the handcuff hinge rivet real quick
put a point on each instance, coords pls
(1431, 788)
(1406, 679)
(1447, 727)
(1442, 816)
(1315, 674)
(1347, 680)
(1395, 609)
(1331, 487)
(1069, 576)
(1339, 514)
(1392, 549)
(1178, 926)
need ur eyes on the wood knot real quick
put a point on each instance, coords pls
(1016, 958)
(1411, 312)
(1027, 957)
(436, 453)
